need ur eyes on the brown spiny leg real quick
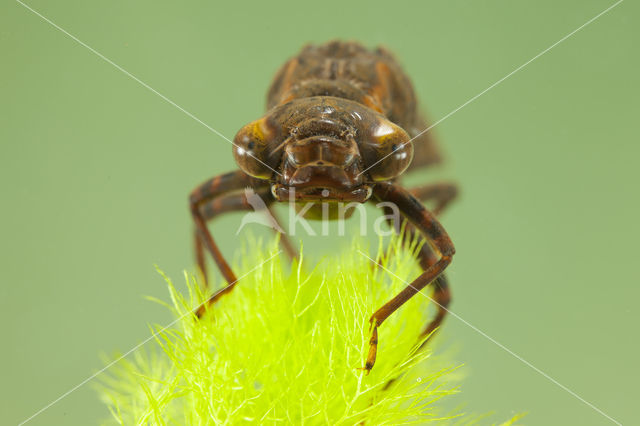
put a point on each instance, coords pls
(435, 236)
(442, 298)
(207, 191)
(224, 204)
(204, 205)
(441, 292)
(442, 193)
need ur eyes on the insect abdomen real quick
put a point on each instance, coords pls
(347, 70)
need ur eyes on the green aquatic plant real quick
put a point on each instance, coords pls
(286, 346)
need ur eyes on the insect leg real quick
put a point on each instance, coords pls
(210, 190)
(442, 193)
(438, 240)
(224, 204)
(441, 292)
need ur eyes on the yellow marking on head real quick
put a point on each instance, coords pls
(259, 130)
(386, 131)
(383, 129)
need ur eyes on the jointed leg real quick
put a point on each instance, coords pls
(442, 298)
(223, 204)
(441, 293)
(437, 239)
(442, 193)
(211, 199)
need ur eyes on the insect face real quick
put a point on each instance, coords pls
(321, 168)
(324, 149)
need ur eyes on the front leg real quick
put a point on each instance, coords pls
(206, 202)
(437, 238)
(244, 201)
(207, 193)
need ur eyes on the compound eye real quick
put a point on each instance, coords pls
(251, 150)
(391, 150)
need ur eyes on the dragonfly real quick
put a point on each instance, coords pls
(342, 125)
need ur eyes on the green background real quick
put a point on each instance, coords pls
(95, 170)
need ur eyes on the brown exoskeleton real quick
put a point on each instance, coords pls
(342, 125)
